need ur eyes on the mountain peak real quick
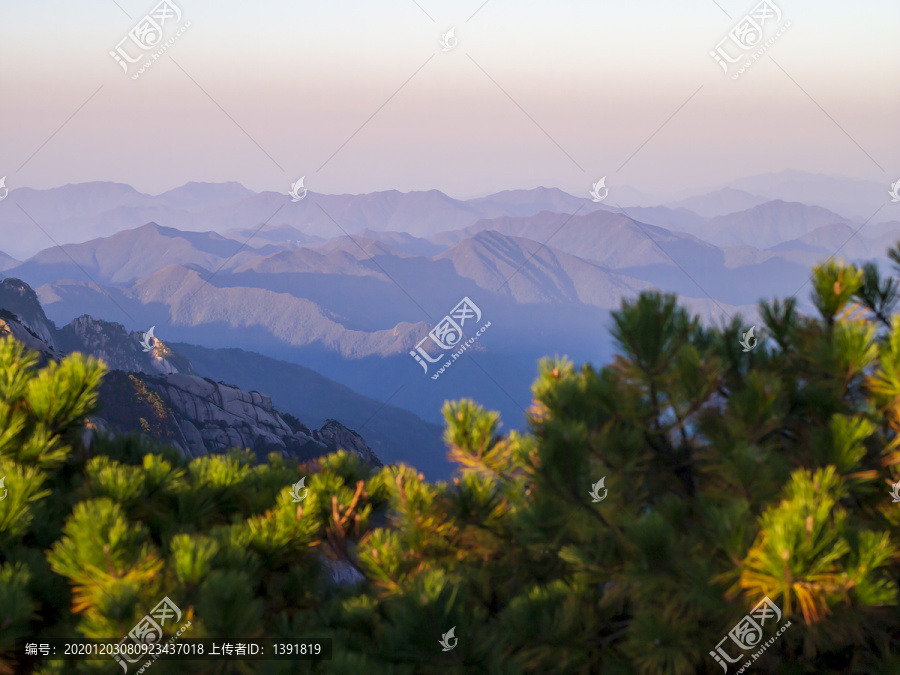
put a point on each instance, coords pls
(157, 392)
(19, 298)
(118, 348)
(200, 195)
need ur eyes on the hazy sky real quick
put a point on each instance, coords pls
(534, 93)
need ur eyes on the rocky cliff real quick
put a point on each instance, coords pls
(11, 326)
(157, 392)
(200, 417)
(119, 349)
(18, 298)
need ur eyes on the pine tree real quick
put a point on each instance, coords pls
(650, 505)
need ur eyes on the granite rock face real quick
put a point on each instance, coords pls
(10, 326)
(213, 417)
(336, 435)
(157, 392)
(119, 349)
(18, 298)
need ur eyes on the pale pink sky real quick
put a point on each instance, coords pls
(533, 94)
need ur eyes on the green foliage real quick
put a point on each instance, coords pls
(730, 476)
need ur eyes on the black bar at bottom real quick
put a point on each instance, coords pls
(182, 649)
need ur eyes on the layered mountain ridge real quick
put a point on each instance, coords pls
(158, 392)
(324, 304)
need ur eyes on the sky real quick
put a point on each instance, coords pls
(360, 96)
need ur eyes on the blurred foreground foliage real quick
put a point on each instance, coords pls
(731, 476)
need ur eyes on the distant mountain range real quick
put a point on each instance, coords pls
(131, 254)
(354, 310)
(80, 212)
(852, 198)
(76, 213)
(719, 202)
(338, 291)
